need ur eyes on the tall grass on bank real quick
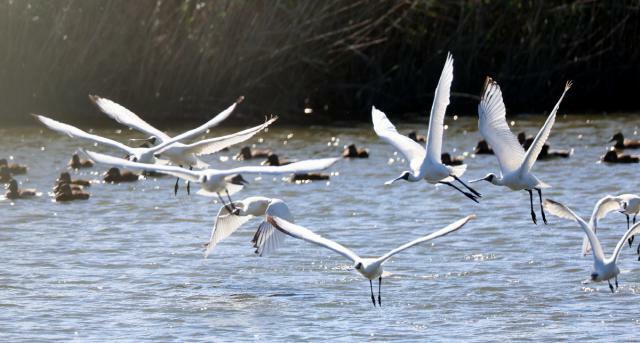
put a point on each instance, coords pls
(178, 58)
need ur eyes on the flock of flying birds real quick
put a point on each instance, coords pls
(167, 155)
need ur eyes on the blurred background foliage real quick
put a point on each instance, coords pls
(185, 59)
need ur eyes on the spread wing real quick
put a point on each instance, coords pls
(186, 174)
(305, 166)
(73, 131)
(212, 145)
(438, 109)
(411, 150)
(542, 136)
(495, 130)
(198, 130)
(226, 224)
(305, 234)
(634, 230)
(267, 239)
(446, 230)
(562, 211)
(125, 117)
(602, 208)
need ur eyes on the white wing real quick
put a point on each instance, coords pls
(562, 211)
(494, 129)
(186, 174)
(634, 230)
(305, 234)
(542, 136)
(212, 145)
(267, 239)
(198, 130)
(438, 109)
(73, 131)
(226, 224)
(125, 117)
(602, 208)
(305, 166)
(448, 229)
(411, 150)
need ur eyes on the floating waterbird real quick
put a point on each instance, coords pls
(65, 193)
(13, 192)
(613, 157)
(266, 239)
(275, 160)
(114, 175)
(247, 153)
(351, 151)
(604, 269)
(622, 143)
(426, 163)
(370, 268)
(14, 168)
(76, 162)
(515, 164)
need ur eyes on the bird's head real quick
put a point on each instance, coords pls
(491, 177)
(594, 276)
(618, 137)
(358, 266)
(404, 176)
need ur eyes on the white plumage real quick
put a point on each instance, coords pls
(604, 268)
(515, 163)
(370, 268)
(425, 162)
(266, 239)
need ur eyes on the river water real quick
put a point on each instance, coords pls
(128, 264)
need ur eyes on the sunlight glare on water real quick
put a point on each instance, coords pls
(128, 263)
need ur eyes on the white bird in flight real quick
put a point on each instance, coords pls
(515, 164)
(426, 163)
(142, 155)
(631, 206)
(179, 154)
(266, 239)
(215, 181)
(603, 207)
(370, 268)
(604, 268)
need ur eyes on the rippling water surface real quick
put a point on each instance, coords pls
(128, 264)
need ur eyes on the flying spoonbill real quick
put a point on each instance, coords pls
(515, 164)
(370, 268)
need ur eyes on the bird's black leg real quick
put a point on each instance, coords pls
(638, 252)
(616, 282)
(544, 218)
(372, 297)
(468, 195)
(223, 203)
(379, 287)
(630, 240)
(175, 188)
(189, 183)
(467, 186)
(533, 214)
(610, 286)
(233, 206)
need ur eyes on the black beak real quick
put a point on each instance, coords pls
(612, 139)
(238, 180)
